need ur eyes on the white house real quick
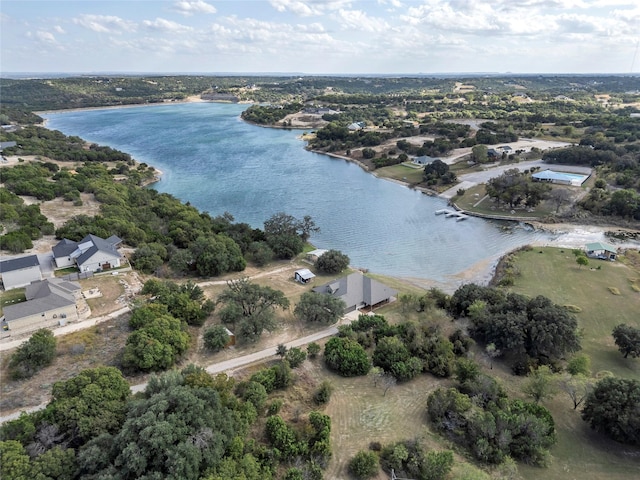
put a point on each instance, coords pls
(91, 254)
(20, 272)
(304, 275)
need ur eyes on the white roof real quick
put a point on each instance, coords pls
(318, 252)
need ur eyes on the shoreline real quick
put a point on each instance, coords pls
(570, 235)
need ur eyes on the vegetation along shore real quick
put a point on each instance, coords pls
(525, 366)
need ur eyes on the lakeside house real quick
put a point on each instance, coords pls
(358, 291)
(601, 250)
(50, 302)
(91, 254)
(424, 160)
(20, 272)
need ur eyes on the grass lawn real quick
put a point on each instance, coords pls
(403, 172)
(553, 272)
(11, 297)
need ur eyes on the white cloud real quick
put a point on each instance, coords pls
(59, 29)
(105, 23)
(45, 37)
(162, 25)
(359, 20)
(188, 8)
(307, 8)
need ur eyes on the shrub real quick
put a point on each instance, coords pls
(323, 393)
(33, 355)
(364, 465)
(216, 338)
(346, 357)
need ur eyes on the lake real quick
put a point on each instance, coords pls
(217, 162)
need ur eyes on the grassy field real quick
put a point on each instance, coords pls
(580, 452)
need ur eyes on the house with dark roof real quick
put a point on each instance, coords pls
(424, 160)
(91, 254)
(20, 272)
(50, 302)
(358, 291)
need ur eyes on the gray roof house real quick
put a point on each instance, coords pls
(358, 291)
(50, 302)
(19, 272)
(424, 160)
(91, 254)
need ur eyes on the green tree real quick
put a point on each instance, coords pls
(319, 308)
(332, 261)
(627, 339)
(252, 306)
(157, 345)
(313, 349)
(579, 365)
(364, 465)
(346, 356)
(91, 403)
(33, 355)
(582, 261)
(479, 153)
(216, 338)
(540, 384)
(173, 431)
(295, 356)
(323, 393)
(14, 461)
(612, 408)
(577, 387)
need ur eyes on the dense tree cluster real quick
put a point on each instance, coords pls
(286, 235)
(35, 140)
(531, 331)
(185, 301)
(490, 425)
(269, 114)
(346, 356)
(22, 223)
(516, 188)
(185, 425)
(438, 173)
(410, 459)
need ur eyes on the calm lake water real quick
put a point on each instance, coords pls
(219, 163)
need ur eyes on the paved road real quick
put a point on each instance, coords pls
(234, 363)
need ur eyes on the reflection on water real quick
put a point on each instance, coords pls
(212, 159)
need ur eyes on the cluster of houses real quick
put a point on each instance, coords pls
(53, 301)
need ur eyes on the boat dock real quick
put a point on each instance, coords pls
(459, 216)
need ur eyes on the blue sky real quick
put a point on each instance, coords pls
(321, 36)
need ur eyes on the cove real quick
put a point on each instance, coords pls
(217, 162)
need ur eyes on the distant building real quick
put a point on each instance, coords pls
(20, 272)
(424, 160)
(560, 178)
(356, 126)
(358, 291)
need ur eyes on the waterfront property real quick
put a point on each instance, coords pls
(424, 160)
(91, 254)
(304, 275)
(560, 178)
(601, 250)
(50, 302)
(19, 272)
(358, 291)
